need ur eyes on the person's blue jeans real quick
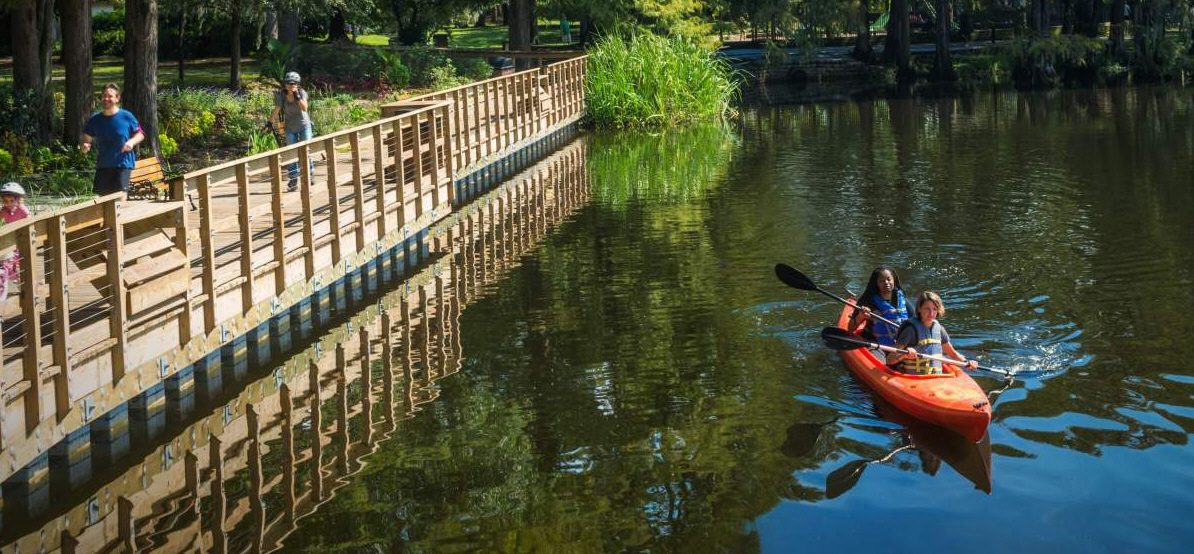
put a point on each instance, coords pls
(292, 170)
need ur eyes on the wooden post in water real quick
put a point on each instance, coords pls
(288, 460)
(124, 524)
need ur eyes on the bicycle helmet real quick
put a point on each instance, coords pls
(12, 188)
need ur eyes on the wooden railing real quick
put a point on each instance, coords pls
(233, 246)
(393, 353)
(89, 276)
(489, 116)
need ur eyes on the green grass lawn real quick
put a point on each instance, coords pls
(199, 73)
(484, 37)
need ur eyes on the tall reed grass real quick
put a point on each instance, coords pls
(649, 80)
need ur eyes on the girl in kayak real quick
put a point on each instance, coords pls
(924, 334)
(884, 297)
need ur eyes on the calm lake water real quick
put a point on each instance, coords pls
(634, 378)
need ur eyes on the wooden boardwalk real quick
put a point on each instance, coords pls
(175, 497)
(144, 289)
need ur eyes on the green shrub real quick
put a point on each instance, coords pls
(166, 145)
(1048, 62)
(276, 60)
(17, 111)
(977, 70)
(422, 61)
(107, 33)
(6, 163)
(651, 80)
(445, 77)
(389, 68)
(262, 141)
(473, 69)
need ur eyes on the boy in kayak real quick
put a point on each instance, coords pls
(924, 334)
(885, 297)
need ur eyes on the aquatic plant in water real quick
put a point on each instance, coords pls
(649, 80)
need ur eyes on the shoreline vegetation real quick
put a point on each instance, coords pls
(652, 63)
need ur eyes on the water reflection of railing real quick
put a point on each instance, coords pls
(241, 478)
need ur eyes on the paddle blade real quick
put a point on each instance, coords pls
(844, 478)
(793, 278)
(840, 339)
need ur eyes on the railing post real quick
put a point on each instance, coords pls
(477, 126)
(246, 237)
(379, 177)
(457, 128)
(308, 226)
(507, 112)
(358, 190)
(115, 270)
(329, 149)
(434, 146)
(417, 159)
(486, 148)
(31, 305)
(209, 254)
(275, 174)
(61, 314)
(400, 172)
(450, 151)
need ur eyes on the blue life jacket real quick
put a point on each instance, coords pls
(896, 311)
(928, 341)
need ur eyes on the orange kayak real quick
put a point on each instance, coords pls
(951, 400)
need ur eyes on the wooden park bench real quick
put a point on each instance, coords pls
(148, 180)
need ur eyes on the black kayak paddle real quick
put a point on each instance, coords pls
(841, 339)
(795, 279)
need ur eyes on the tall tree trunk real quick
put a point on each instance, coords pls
(862, 43)
(891, 43)
(288, 27)
(586, 30)
(521, 19)
(1117, 28)
(269, 28)
(31, 23)
(1038, 18)
(943, 66)
(336, 27)
(76, 56)
(184, 11)
(1086, 18)
(140, 68)
(900, 39)
(234, 66)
